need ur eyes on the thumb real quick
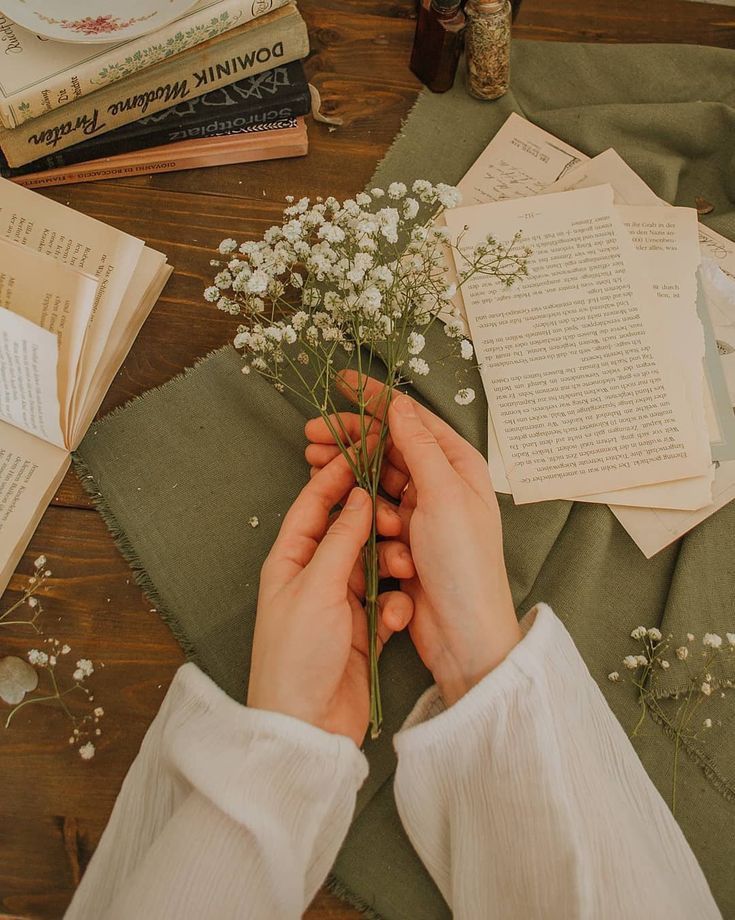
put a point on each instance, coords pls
(426, 461)
(336, 555)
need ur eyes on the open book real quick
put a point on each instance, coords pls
(74, 293)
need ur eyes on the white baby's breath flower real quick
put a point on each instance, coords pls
(416, 343)
(654, 634)
(258, 282)
(466, 349)
(642, 660)
(454, 327)
(419, 366)
(706, 688)
(253, 521)
(410, 208)
(449, 196)
(639, 633)
(377, 192)
(707, 723)
(664, 664)
(38, 658)
(614, 676)
(396, 190)
(227, 246)
(363, 200)
(464, 396)
(86, 751)
(712, 640)
(630, 662)
(682, 653)
(32, 602)
(99, 712)
(690, 637)
(211, 294)
(86, 667)
(40, 562)
(730, 638)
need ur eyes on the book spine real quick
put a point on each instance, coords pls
(278, 40)
(106, 170)
(228, 113)
(129, 57)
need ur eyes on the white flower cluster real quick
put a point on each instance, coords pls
(343, 275)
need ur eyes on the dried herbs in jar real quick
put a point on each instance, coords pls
(487, 44)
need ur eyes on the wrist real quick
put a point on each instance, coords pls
(457, 673)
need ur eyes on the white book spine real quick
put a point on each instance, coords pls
(127, 58)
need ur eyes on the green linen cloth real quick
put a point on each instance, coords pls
(178, 472)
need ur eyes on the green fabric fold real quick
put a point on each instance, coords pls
(178, 472)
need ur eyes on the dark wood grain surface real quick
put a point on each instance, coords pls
(53, 806)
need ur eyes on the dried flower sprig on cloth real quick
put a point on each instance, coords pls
(698, 672)
(362, 280)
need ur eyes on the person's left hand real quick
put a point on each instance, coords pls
(310, 650)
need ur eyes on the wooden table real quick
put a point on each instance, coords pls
(54, 806)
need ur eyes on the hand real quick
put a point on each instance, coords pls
(464, 623)
(310, 650)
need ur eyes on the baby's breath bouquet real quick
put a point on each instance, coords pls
(360, 281)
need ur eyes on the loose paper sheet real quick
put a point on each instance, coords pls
(585, 394)
(630, 189)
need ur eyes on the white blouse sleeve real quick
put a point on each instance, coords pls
(526, 798)
(227, 812)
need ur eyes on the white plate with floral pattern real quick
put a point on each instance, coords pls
(94, 20)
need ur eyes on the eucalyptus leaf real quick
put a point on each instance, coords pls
(17, 678)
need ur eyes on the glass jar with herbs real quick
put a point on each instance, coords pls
(487, 45)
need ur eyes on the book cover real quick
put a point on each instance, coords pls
(38, 75)
(256, 143)
(274, 95)
(276, 38)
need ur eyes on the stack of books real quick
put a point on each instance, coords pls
(222, 84)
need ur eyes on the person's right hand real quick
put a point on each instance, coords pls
(464, 623)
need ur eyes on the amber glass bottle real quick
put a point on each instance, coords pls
(437, 43)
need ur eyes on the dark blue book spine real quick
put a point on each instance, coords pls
(275, 95)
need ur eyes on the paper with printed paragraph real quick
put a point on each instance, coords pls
(585, 395)
(651, 528)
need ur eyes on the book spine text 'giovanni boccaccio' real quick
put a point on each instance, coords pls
(38, 76)
(277, 38)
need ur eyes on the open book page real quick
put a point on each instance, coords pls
(29, 396)
(55, 297)
(630, 189)
(81, 242)
(584, 394)
(145, 287)
(30, 473)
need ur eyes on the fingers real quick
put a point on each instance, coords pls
(395, 560)
(306, 521)
(430, 469)
(336, 555)
(396, 610)
(468, 462)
